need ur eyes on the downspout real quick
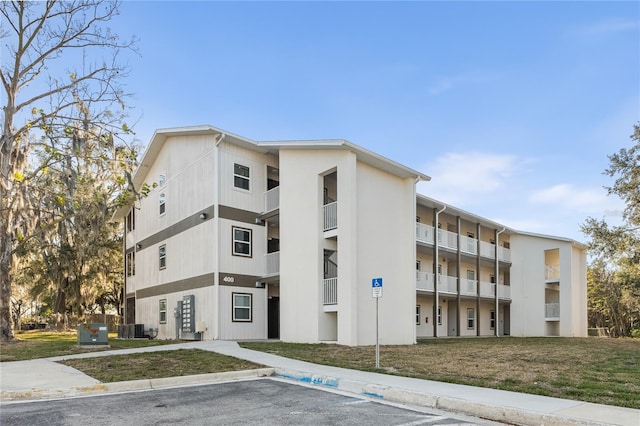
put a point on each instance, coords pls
(497, 298)
(415, 214)
(436, 277)
(216, 218)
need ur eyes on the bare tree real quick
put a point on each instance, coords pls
(40, 37)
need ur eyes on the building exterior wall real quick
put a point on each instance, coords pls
(531, 290)
(375, 237)
(385, 247)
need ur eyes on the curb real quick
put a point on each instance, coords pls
(132, 385)
(498, 413)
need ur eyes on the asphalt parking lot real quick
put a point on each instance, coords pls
(251, 402)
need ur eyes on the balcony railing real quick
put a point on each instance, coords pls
(330, 215)
(424, 233)
(552, 273)
(272, 261)
(552, 311)
(447, 239)
(487, 250)
(330, 291)
(469, 245)
(424, 281)
(487, 289)
(447, 284)
(272, 199)
(504, 291)
(469, 287)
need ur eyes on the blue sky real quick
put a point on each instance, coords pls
(511, 107)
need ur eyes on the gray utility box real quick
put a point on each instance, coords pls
(92, 334)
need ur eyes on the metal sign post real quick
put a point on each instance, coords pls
(376, 288)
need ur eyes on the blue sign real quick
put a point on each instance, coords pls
(376, 282)
(376, 287)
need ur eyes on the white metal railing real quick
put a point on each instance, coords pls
(330, 291)
(424, 281)
(468, 245)
(552, 310)
(487, 250)
(424, 233)
(272, 199)
(330, 214)
(487, 289)
(447, 284)
(469, 287)
(272, 261)
(504, 291)
(447, 239)
(504, 254)
(552, 272)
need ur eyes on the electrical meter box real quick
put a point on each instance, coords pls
(92, 334)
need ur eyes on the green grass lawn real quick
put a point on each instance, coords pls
(40, 344)
(599, 370)
(154, 365)
(604, 371)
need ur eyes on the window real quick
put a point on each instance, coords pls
(471, 318)
(163, 256)
(163, 311)
(417, 265)
(131, 263)
(242, 307)
(241, 176)
(131, 220)
(492, 320)
(162, 180)
(439, 315)
(417, 314)
(471, 275)
(492, 279)
(418, 219)
(241, 242)
(163, 203)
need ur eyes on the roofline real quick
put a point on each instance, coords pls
(363, 154)
(479, 219)
(554, 237)
(160, 136)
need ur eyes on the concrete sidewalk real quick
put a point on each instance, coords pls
(44, 378)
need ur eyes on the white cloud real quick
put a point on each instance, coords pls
(607, 26)
(458, 176)
(593, 201)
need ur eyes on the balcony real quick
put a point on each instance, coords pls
(424, 233)
(552, 273)
(272, 199)
(330, 216)
(468, 245)
(469, 287)
(552, 311)
(487, 289)
(330, 291)
(447, 284)
(424, 281)
(272, 261)
(504, 291)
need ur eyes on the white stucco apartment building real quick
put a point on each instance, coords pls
(243, 239)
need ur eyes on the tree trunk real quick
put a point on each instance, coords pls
(6, 325)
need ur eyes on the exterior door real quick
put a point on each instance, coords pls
(273, 318)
